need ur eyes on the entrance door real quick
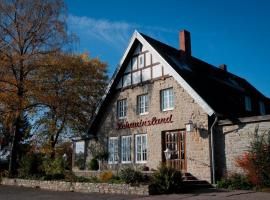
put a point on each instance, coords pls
(175, 142)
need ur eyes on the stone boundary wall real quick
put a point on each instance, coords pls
(78, 187)
(88, 173)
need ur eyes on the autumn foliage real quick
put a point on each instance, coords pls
(256, 162)
(41, 80)
(246, 163)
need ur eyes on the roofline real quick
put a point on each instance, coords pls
(241, 120)
(117, 69)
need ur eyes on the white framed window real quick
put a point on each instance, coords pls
(141, 148)
(248, 103)
(122, 108)
(141, 61)
(167, 99)
(143, 104)
(113, 150)
(262, 108)
(148, 59)
(134, 63)
(126, 149)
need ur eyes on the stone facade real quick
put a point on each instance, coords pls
(185, 109)
(79, 187)
(233, 139)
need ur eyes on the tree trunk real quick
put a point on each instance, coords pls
(52, 143)
(17, 127)
(14, 148)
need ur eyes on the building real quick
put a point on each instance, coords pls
(165, 106)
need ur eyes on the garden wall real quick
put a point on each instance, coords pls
(78, 187)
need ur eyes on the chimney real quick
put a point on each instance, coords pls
(223, 67)
(185, 42)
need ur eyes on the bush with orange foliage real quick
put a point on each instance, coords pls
(256, 161)
(106, 176)
(246, 163)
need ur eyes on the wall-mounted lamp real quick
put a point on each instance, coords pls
(168, 153)
(190, 126)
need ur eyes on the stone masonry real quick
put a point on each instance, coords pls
(185, 109)
(234, 139)
(79, 187)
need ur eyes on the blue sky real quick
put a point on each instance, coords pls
(234, 32)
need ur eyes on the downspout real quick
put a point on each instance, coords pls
(213, 151)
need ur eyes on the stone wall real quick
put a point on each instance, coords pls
(185, 109)
(79, 187)
(234, 139)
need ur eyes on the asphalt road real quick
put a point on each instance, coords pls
(20, 193)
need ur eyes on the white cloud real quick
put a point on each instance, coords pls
(102, 29)
(115, 33)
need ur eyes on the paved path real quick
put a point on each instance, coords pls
(20, 193)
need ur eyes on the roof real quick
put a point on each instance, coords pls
(217, 91)
(222, 90)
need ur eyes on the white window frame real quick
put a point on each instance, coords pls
(262, 108)
(141, 58)
(115, 148)
(142, 148)
(248, 105)
(126, 143)
(143, 104)
(167, 98)
(122, 108)
(135, 63)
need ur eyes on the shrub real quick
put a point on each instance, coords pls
(102, 155)
(30, 165)
(130, 175)
(106, 176)
(166, 180)
(50, 177)
(93, 164)
(235, 182)
(53, 167)
(256, 162)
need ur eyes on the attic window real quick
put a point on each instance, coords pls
(262, 108)
(248, 103)
(141, 61)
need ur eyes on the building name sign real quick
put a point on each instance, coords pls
(152, 122)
